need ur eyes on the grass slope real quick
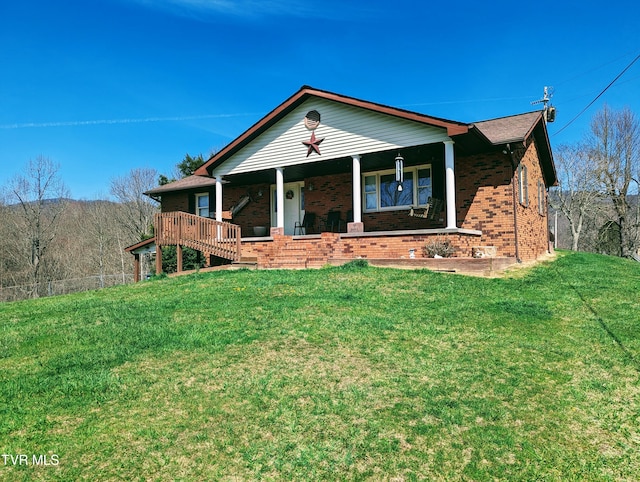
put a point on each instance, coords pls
(342, 373)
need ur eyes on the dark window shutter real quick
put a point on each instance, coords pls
(192, 203)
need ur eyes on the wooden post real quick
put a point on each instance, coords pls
(158, 259)
(136, 267)
(238, 243)
(179, 246)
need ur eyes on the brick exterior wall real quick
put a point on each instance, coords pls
(175, 201)
(330, 193)
(256, 213)
(316, 251)
(533, 227)
(484, 199)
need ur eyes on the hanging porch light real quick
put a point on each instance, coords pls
(399, 171)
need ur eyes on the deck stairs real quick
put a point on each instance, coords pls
(220, 239)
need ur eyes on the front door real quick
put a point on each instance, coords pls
(293, 205)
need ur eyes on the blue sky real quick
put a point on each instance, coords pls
(104, 86)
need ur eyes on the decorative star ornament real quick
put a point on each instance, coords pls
(313, 144)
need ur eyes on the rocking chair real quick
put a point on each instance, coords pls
(333, 222)
(308, 221)
(430, 211)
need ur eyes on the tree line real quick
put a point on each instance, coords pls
(46, 236)
(598, 184)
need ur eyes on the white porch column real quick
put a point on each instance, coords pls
(219, 198)
(357, 190)
(450, 184)
(279, 197)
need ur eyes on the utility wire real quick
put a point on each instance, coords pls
(599, 95)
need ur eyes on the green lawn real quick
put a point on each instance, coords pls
(352, 373)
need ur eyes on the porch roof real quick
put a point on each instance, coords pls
(148, 245)
(189, 182)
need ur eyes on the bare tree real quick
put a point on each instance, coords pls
(41, 197)
(138, 210)
(615, 150)
(103, 233)
(4, 246)
(577, 195)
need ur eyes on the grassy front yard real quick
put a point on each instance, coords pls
(335, 374)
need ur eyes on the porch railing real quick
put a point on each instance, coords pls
(207, 235)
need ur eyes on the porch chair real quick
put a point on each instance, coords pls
(436, 207)
(333, 222)
(349, 216)
(308, 221)
(424, 213)
(430, 211)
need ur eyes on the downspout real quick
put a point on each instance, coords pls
(546, 204)
(515, 200)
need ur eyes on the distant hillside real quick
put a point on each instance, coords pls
(71, 201)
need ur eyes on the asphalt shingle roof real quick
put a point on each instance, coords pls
(189, 182)
(508, 129)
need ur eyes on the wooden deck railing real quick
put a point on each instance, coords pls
(207, 235)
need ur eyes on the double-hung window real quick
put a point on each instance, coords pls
(383, 193)
(523, 185)
(541, 198)
(202, 205)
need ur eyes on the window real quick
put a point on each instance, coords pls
(523, 185)
(541, 198)
(381, 189)
(202, 205)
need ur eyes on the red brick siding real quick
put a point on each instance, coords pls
(330, 193)
(256, 213)
(287, 252)
(533, 236)
(484, 199)
(175, 201)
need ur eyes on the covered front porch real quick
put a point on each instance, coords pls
(412, 188)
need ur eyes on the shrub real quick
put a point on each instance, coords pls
(439, 247)
(356, 264)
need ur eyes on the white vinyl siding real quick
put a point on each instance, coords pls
(381, 189)
(346, 130)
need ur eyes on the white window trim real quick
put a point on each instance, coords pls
(523, 185)
(404, 207)
(197, 204)
(541, 198)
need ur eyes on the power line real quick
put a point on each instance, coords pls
(599, 95)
